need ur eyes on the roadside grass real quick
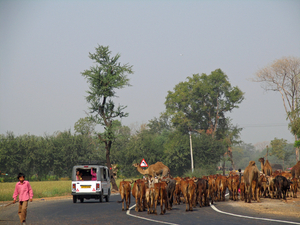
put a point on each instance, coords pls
(42, 189)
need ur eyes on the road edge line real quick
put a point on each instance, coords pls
(143, 218)
(250, 217)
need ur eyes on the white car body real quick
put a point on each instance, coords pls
(86, 188)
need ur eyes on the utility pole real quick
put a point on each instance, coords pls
(192, 160)
(267, 151)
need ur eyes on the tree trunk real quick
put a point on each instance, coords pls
(112, 179)
(297, 150)
(224, 168)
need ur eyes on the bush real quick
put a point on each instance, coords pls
(200, 172)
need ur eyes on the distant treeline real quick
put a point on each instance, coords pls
(55, 155)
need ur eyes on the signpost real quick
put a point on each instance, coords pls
(143, 163)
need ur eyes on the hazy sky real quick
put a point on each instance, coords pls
(45, 45)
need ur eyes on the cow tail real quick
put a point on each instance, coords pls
(122, 197)
(187, 191)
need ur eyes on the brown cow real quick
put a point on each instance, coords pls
(296, 170)
(217, 187)
(229, 185)
(138, 192)
(171, 185)
(271, 186)
(242, 189)
(177, 191)
(262, 180)
(188, 188)
(125, 189)
(222, 188)
(211, 187)
(150, 198)
(288, 176)
(294, 187)
(201, 192)
(235, 183)
(251, 173)
(160, 193)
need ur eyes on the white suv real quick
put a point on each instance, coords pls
(90, 181)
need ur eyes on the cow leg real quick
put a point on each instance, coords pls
(155, 205)
(126, 201)
(129, 199)
(186, 202)
(122, 197)
(136, 203)
(191, 202)
(161, 203)
(211, 194)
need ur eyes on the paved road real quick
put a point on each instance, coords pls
(94, 212)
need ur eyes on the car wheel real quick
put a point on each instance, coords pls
(107, 196)
(81, 200)
(101, 197)
(74, 199)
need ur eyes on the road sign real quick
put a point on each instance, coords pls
(143, 163)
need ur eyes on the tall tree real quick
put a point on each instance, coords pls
(104, 79)
(200, 103)
(279, 149)
(283, 76)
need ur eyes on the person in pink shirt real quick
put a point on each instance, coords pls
(24, 190)
(94, 174)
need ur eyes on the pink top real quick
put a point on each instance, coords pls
(94, 175)
(23, 190)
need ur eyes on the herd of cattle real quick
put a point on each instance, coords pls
(252, 185)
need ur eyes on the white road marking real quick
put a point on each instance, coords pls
(143, 218)
(217, 210)
(250, 217)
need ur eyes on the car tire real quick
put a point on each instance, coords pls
(107, 196)
(101, 197)
(74, 199)
(81, 200)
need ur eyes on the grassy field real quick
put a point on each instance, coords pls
(41, 189)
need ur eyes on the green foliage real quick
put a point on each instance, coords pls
(44, 157)
(201, 102)
(278, 146)
(177, 153)
(84, 126)
(297, 144)
(243, 153)
(200, 172)
(103, 80)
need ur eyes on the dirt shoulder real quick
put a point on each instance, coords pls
(290, 207)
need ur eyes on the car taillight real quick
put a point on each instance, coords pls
(97, 186)
(74, 186)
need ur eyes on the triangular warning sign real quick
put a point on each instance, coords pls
(93, 189)
(77, 189)
(143, 163)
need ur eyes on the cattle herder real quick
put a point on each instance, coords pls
(24, 190)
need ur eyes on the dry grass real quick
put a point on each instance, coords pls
(40, 189)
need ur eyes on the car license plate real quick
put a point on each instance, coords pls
(85, 186)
